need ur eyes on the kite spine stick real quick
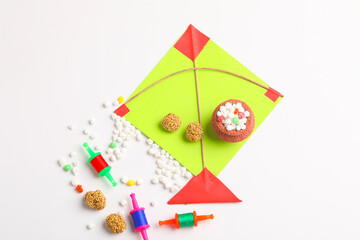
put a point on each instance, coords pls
(199, 109)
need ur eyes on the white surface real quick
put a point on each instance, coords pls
(60, 60)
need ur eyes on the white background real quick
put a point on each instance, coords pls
(298, 174)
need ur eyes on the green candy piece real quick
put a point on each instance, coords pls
(113, 144)
(236, 120)
(67, 167)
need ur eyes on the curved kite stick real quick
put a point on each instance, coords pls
(197, 68)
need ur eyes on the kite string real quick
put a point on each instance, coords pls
(199, 110)
(197, 68)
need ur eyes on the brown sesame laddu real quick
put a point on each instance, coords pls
(95, 200)
(194, 132)
(171, 122)
(116, 223)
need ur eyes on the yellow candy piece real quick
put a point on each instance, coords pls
(121, 99)
(131, 183)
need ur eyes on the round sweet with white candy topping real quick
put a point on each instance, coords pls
(233, 117)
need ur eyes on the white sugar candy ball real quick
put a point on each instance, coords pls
(85, 131)
(90, 226)
(139, 182)
(158, 171)
(238, 127)
(72, 154)
(92, 121)
(151, 151)
(92, 136)
(228, 105)
(121, 213)
(71, 127)
(112, 158)
(62, 162)
(109, 151)
(247, 114)
(75, 171)
(124, 180)
(162, 152)
(176, 163)
(188, 175)
(97, 147)
(222, 108)
(176, 176)
(74, 182)
(153, 203)
(115, 103)
(149, 141)
(138, 138)
(106, 104)
(155, 181)
(125, 144)
(123, 203)
(75, 163)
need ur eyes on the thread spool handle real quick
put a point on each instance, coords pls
(134, 202)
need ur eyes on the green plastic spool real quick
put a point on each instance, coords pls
(186, 220)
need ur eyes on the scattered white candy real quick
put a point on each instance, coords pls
(112, 158)
(97, 147)
(62, 162)
(113, 116)
(92, 136)
(90, 226)
(75, 163)
(138, 138)
(109, 151)
(188, 175)
(115, 103)
(151, 151)
(75, 171)
(72, 154)
(71, 127)
(167, 185)
(125, 144)
(92, 121)
(247, 114)
(124, 179)
(155, 181)
(168, 173)
(176, 163)
(123, 203)
(121, 213)
(153, 203)
(74, 182)
(139, 182)
(158, 171)
(149, 141)
(176, 176)
(106, 104)
(85, 131)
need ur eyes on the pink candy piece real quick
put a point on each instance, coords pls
(221, 118)
(241, 115)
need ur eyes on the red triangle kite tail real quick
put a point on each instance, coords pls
(204, 188)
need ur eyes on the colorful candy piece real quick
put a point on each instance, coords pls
(67, 167)
(131, 183)
(220, 118)
(121, 99)
(113, 144)
(79, 188)
(236, 120)
(241, 115)
(236, 111)
(186, 220)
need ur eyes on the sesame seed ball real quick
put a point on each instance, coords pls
(95, 200)
(171, 122)
(194, 132)
(116, 223)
